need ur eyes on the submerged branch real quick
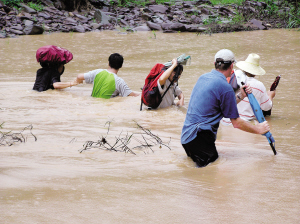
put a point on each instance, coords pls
(9, 138)
(142, 140)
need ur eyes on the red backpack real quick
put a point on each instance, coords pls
(150, 93)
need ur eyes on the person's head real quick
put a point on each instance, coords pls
(251, 65)
(115, 61)
(176, 73)
(57, 66)
(224, 60)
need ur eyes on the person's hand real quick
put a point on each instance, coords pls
(180, 103)
(248, 89)
(76, 82)
(263, 127)
(174, 62)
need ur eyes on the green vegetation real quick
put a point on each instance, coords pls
(279, 13)
(12, 2)
(224, 2)
(37, 7)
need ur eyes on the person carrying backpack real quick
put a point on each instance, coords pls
(161, 86)
(174, 91)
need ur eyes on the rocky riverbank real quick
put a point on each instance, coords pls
(182, 16)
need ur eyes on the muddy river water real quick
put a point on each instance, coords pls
(49, 181)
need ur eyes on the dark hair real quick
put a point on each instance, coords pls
(222, 65)
(115, 61)
(178, 70)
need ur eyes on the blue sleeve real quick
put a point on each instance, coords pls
(228, 105)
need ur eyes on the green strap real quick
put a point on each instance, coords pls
(104, 85)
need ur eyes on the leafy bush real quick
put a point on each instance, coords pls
(37, 7)
(12, 2)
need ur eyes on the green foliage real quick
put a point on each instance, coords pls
(37, 7)
(12, 2)
(223, 2)
(294, 21)
(238, 18)
(211, 21)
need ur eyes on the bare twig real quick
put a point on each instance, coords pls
(142, 140)
(9, 138)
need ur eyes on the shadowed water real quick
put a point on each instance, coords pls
(49, 181)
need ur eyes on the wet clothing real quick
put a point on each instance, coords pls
(106, 84)
(170, 96)
(202, 149)
(260, 93)
(212, 99)
(244, 107)
(45, 77)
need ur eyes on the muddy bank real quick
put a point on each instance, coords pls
(182, 16)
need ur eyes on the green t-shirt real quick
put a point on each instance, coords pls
(104, 85)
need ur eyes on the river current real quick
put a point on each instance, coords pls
(50, 181)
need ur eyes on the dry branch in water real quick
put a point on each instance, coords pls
(143, 140)
(9, 138)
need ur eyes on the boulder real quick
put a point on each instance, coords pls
(18, 32)
(79, 29)
(102, 18)
(2, 35)
(44, 15)
(153, 26)
(173, 26)
(95, 25)
(195, 28)
(47, 2)
(258, 24)
(146, 16)
(142, 28)
(158, 8)
(17, 27)
(33, 30)
(47, 28)
(27, 9)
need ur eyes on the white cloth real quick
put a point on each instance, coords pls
(122, 88)
(170, 96)
(244, 107)
(260, 93)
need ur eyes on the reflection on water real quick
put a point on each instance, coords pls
(50, 181)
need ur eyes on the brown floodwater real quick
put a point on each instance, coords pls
(49, 181)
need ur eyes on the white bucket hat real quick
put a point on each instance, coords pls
(251, 65)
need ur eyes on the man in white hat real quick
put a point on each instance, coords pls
(251, 68)
(212, 99)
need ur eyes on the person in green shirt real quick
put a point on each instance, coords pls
(106, 82)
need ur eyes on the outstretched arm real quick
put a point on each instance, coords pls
(134, 94)
(63, 85)
(163, 78)
(260, 128)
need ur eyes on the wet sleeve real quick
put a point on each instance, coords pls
(90, 76)
(228, 105)
(122, 87)
(177, 91)
(161, 89)
(55, 79)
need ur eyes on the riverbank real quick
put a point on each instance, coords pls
(181, 16)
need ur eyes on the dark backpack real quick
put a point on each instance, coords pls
(150, 93)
